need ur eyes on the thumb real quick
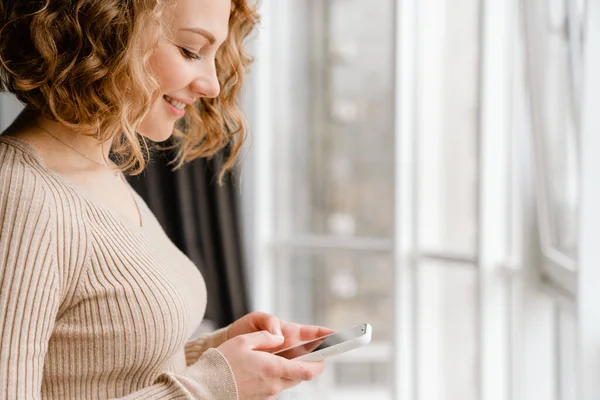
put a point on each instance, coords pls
(275, 327)
(262, 340)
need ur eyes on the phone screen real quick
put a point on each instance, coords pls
(323, 342)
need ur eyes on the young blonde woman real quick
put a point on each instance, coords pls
(95, 301)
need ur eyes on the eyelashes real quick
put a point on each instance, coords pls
(190, 55)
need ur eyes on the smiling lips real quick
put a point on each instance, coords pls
(177, 104)
(177, 107)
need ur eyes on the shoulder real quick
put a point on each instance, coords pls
(35, 207)
(22, 180)
(27, 187)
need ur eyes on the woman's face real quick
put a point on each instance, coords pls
(184, 62)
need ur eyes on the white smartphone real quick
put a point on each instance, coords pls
(330, 345)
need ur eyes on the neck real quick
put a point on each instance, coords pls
(85, 143)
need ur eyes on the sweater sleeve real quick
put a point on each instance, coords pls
(195, 348)
(29, 283)
(210, 378)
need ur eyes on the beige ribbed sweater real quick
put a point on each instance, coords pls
(91, 305)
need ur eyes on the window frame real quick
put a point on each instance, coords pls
(559, 268)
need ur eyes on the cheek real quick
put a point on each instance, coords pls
(170, 70)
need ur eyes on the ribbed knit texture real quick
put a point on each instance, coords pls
(93, 306)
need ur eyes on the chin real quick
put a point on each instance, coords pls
(158, 135)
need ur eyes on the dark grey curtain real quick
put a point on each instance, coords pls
(203, 220)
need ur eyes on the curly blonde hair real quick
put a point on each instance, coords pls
(85, 63)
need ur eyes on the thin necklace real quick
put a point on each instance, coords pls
(116, 173)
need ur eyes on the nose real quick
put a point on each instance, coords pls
(206, 84)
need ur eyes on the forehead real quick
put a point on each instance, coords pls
(212, 15)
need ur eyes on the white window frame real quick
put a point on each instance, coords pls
(496, 246)
(559, 268)
(571, 283)
(588, 279)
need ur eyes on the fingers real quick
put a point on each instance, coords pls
(261, 340)
(309, 332)
(301, 370)
(313, 345)
(289, 383)
(267, 322)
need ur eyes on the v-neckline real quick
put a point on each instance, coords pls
(81, 191)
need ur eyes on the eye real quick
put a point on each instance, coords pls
(190, 55)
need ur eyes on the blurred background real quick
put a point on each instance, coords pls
(428, 166)
(417, 164)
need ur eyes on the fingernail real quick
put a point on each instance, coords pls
(279, 338)
(278, 332)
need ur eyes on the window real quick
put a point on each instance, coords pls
(332, 178)
(555, 34)
(558, 37)
(351, 108)
(390, 180)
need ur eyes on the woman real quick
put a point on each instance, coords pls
(95, 301)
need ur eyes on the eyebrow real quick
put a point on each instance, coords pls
(211, 38)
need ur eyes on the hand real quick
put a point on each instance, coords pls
(260, 375)
(292, 332)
